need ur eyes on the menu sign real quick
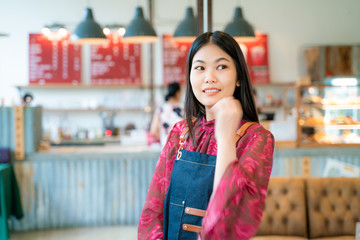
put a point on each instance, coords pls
(115, 63)
(174, 59)
(256, 56)
(53, 61)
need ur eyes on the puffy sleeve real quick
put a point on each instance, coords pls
(151, 219)
(236, 206)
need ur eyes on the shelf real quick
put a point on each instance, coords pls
(333, 106)
(339, 107)
(87, 142)
(271, 107)
(326, 145)
(94, 110)
(274, 84)
(339, 126)
(324, 86)
(80, 86)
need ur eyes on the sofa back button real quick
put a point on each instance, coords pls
(293, 207)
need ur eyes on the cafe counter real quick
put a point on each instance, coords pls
(97, 186)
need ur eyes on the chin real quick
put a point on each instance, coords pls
(208, 105)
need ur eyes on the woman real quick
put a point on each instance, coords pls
(168, 114)
(209, 170)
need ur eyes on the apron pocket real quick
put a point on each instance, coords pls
(176, 210)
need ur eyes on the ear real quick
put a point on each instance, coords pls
(238, 83)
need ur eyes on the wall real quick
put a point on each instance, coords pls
(290, 24)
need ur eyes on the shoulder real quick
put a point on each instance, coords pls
(178, 128)
(257, 140)
(174, 134)
(257, 130)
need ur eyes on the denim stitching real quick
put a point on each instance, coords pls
(197, 163)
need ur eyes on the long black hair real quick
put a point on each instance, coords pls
(193, 108)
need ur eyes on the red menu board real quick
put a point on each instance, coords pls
(174, 59)
(255, 52)
(115, 63)
(256, 56)
(53, 61)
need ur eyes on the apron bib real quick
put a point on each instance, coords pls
(190, 188)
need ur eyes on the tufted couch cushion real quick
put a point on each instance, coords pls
(335, 238)
(278, 237)
(284, 216)
(333, 207)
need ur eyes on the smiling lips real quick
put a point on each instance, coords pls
(211, 91)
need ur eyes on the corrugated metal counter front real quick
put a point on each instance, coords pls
(107, 186)
(83, 189)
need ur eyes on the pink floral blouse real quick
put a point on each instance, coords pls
(236, 206)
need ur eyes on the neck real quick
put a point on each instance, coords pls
(209, 115)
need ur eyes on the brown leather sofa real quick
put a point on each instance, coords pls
(313, 208)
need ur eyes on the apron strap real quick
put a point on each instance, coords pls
(241, 131)
(182, 141)
(195, 212)
(184, 134)
(191, 228)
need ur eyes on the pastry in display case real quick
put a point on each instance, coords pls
(328, 114)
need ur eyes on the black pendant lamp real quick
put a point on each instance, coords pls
(186, 30)
(239, 28)
(139, 29)
(88, 31)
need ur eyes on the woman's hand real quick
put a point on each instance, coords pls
(228, 113)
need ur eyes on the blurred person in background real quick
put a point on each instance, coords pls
(171, 112)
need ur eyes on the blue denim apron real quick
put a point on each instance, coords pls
(189, 192)
(191, 186)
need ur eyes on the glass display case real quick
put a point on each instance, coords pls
(328, 115)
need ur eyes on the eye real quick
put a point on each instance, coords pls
(199, 68)
(222, 67)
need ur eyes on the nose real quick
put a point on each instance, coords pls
(210, 77)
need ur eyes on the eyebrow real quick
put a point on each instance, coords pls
(217, 60)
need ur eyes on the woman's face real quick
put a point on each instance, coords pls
(212, 75)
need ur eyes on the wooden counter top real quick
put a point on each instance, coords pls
(115, 148)
(107, 148)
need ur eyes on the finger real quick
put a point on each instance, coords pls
(224, 102)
